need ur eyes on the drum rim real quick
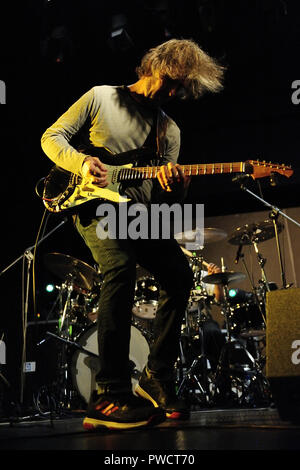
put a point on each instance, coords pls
(90, 329)
(145, 302)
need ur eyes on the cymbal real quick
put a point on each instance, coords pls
(209, 235)
(79, 272)
(256, 232)
(224, 278)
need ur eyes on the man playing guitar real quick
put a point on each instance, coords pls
(120, 119)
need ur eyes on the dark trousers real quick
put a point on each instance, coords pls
(117, 260)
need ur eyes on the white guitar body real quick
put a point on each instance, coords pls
(86, 190)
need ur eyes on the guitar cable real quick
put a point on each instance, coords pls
(34, 257)
(25, 300)
(36, 187)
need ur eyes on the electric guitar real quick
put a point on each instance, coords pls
(65, 190)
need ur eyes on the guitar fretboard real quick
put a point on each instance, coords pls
(149, 172)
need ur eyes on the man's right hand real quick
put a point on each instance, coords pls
(94, 170)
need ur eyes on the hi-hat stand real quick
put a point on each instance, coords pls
(196, 375)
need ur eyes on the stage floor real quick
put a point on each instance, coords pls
(208, 429)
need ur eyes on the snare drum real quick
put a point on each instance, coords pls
(84, 367)
(146, 298)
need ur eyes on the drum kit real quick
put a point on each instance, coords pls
(237, 380)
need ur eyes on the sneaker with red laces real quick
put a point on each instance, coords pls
(121, 412)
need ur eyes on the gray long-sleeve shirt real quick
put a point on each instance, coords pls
(107, 116)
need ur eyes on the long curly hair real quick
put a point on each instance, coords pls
(185, 61)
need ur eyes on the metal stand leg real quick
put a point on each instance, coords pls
(195, 378)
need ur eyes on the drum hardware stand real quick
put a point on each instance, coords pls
(73, 344)
(65, 335)
(27, 255)
(224, 370)
(261, 262)
(227, 313)
(63, 392)
(274, 217)
(200, 362)
(198, 370)
(68, 287)
(275, 211)
(257, 302)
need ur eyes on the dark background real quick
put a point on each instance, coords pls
(54, 51)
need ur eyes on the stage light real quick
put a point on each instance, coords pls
(239, 296)
(50, 288)
(232, 293)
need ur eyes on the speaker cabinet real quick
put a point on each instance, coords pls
(283, 350)
(283, 333)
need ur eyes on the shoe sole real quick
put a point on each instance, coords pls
(173, 415)
(90, 424)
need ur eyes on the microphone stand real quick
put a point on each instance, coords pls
(274, 217)
(266, 203)
(28, 250)
(275, 211)
(28, 256)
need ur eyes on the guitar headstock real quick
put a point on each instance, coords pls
(261, 169)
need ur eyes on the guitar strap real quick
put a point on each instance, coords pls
(156, 139)
(157, 136)
(161, 130)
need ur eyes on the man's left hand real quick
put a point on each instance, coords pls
(171, 175)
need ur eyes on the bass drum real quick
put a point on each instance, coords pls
(84, 367)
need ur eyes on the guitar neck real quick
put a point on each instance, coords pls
(149, 172)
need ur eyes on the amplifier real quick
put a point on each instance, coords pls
(283, 333)
(283, 351)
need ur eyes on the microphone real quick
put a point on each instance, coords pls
(238, 253)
